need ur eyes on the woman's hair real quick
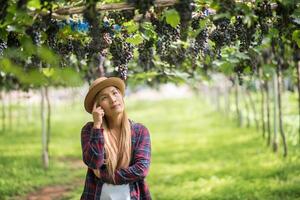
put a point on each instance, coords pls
(118, 153)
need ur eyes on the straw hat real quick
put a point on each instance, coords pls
(97, 86)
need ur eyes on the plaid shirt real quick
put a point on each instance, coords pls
(92, 143)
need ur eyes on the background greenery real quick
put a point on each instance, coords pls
(196, 154)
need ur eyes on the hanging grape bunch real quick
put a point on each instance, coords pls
(200, 43)
(244, 34)
(3, 46)
(12, 40)
(264, 13)
(122, 53)
(146, 55)
(185, 9)
(51, 32)
(222, 35)
(167, 36)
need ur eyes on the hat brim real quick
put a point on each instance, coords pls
(112, 81)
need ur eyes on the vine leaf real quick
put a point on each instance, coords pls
(135, 40)
(172, 17)
(296, 37)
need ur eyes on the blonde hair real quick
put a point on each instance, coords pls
(118, 153)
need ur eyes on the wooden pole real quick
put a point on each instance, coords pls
(110, 7)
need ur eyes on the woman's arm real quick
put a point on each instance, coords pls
(92, 144)
(141, 161)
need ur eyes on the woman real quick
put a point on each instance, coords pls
(116, 150)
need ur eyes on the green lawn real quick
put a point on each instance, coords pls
(196, 154)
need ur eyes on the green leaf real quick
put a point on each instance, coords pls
(48, 56)
(135, 40)
(149, 31)
(48, 71)
(296, 37)
(34, 4)
(172, 17)
(226, 68)
(131, 26)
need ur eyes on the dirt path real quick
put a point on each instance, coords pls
(56, 192)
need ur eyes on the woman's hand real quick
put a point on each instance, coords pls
(97, 172)
(98, 114)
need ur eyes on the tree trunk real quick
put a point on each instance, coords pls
(275, 91)
(268, 113)
(48, 117)
(238, 112)
(246, 107)
(262, 84)
(227, 100)
(298, 86)
(101, 68)
(3, 112)
(45, 157)
(9, 111)
(252, 103)
(18, 110)
(279, 84)
(217, 97)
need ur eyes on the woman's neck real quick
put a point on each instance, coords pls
(114, 123)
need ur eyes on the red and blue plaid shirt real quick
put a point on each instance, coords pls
(92, 143)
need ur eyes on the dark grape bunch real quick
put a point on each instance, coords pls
(12, 40)
(3, 46)
(52, 30)
(185, 9)
(264, 13)
(167, 35)
(222, 35)
(244, 34)
(200, 43)
(122, 53)
(146, 55)
(35, 33)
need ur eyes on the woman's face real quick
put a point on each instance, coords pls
(111, 101)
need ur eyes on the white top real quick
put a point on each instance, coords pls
(115, 192)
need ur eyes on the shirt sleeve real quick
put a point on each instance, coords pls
(92, 144)
(141, 161)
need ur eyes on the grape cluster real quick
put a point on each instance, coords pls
(51, 32)
(185, 9)
(165, 46)
(122, 53)
(35, 33)
(3, 46)
(195, 24)
(264, 12)
(146, 55)
(222, 35)
(12, 39)
(244, 34)
(200, 43)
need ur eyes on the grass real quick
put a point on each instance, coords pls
(196, 154)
